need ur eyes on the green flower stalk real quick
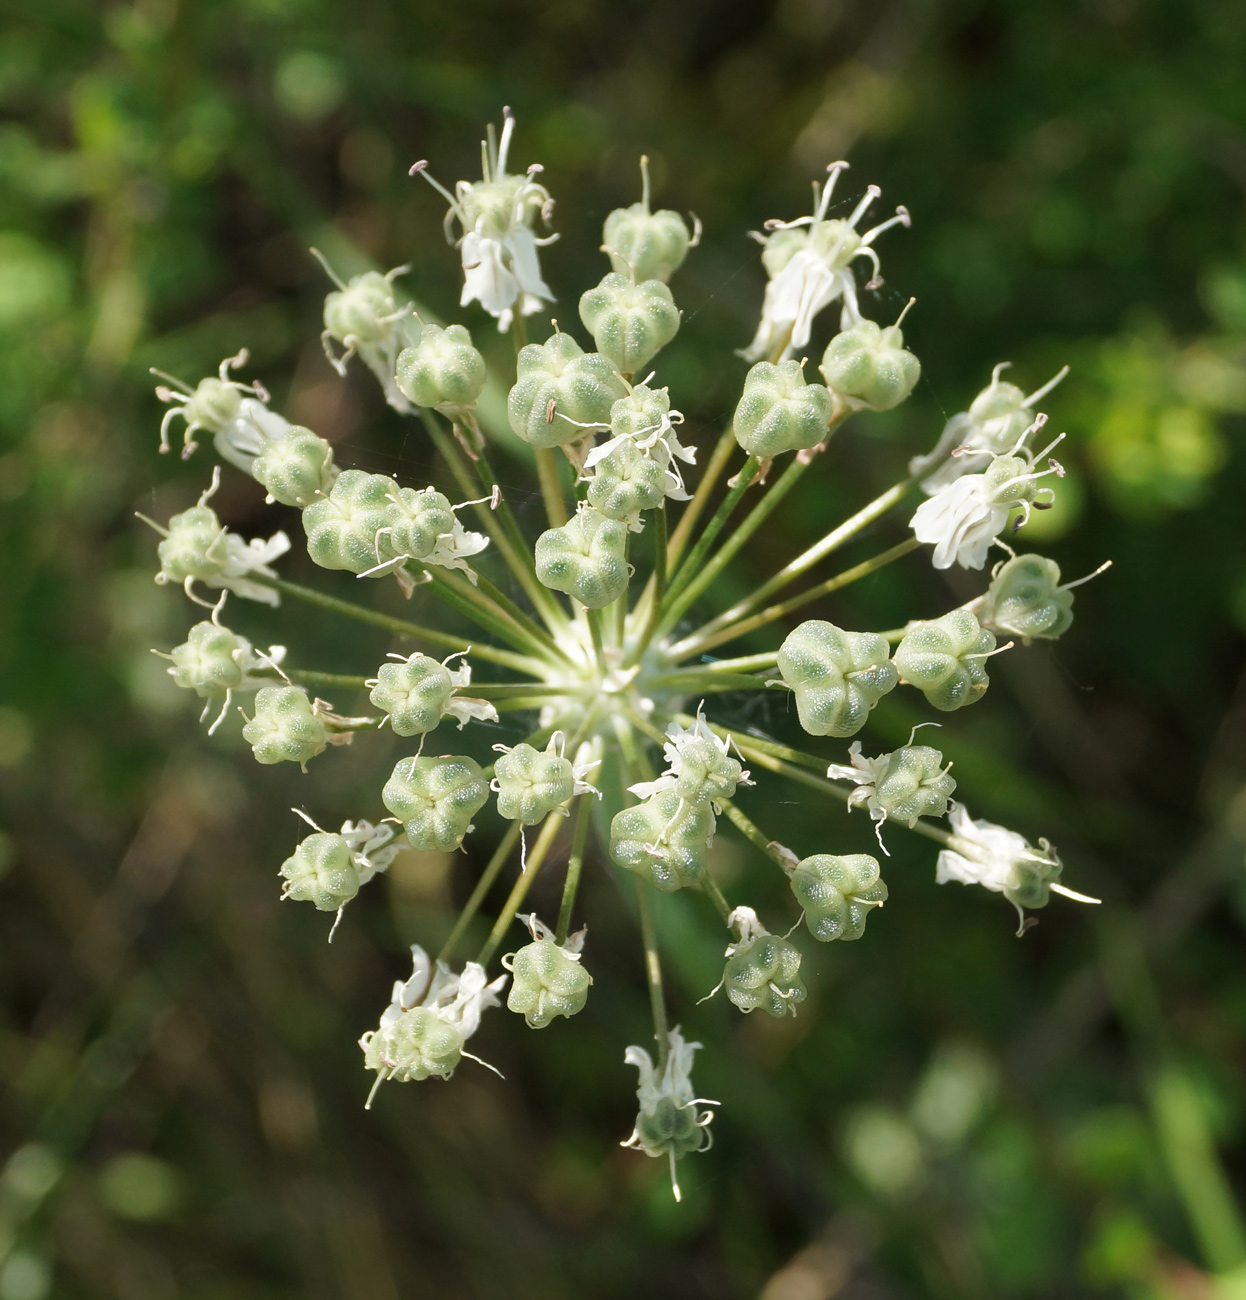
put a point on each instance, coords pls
(594, 630)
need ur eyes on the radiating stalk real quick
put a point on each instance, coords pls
(593, 616)
(400, 627)
(699, 641)
(536, 859)
(653, 971)
(482, 611)
(744, 664)
(709, 887)
(673, 607)
(583, 820)
(753, 833)
(517, 615)
(483, 885)
(700, 498)
(551, 488)
(702, 578)
(650, 603)
(818, 551)
(696, 681)
(306, 677)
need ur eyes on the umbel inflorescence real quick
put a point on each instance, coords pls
(595, 629)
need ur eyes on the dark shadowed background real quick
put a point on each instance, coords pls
(955, 1113)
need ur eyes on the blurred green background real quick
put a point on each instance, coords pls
(955, 1113)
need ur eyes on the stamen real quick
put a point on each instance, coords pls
(644, 182)
(508, 130)
(421, 169)
(833, 172)
(324, 262)
(901, 218)
(1103, 568)
(1046, 388)
(871, 193)
(907, 306)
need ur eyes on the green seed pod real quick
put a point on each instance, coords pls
(705, 773)
(643, 410)
(297, 469)
(946, 660)
(837, 893)
(837, 677)
(530, 783)
(643, 244)
(194, 547)
(205, 662)
(902, 786)
(443, 370)
(630, 322)
(626, 482)
(779, 411)
(1025, 599)
(671, 1129)
(414, 1045)
(359, 311)
(765, 974)
(321, 871)
(285, 728)
(436, 799)
(1010, 481)
(214, 404)
(546, 981)
(342, 528)
(867, 365)
(417, 519)
(685, 830)
(558, 379)
(585, 558)
(999, 415)
(413, 694)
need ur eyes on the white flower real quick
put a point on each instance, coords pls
(699, 756)
(499, 250)
(962, 520)
(810, 269)
(372, 848)
(465, 707)
(989, 428)
(671, 1087)
(660, 443)
(965, 517)
(458, 1000)
(982, 853)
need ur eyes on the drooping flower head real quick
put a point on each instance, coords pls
(809, 262)
(499, 249)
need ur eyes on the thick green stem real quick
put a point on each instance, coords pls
(400, 627)
(817, 552)
(744, 664)
(551, 488)
(483, 885)
(714, 633)
(544, 842)
(697, 680)
(709, 887)
(575, 864)
(650, 603)
(653, 971)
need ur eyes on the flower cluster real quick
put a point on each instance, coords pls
(598, 642)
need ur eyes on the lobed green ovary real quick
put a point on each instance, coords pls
(946, 660)
(914, 785)
(342, 528)
(837, 893)
(585, 558)
(626, 482)
(765, 976)
(837, 677)
(194, 547)
(582, 387)
(630, 321)
(671, 1129)
(205, 663)
(417, 1045)
(546, 982)
(436, 799)
(664, 840)
(779, 411)
(321, 871)
(868, 365)
(413, 694)
(297, 469)
(646, 245)
(1025, 599)
(443, 370)
(531, 784)
(285, 728)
